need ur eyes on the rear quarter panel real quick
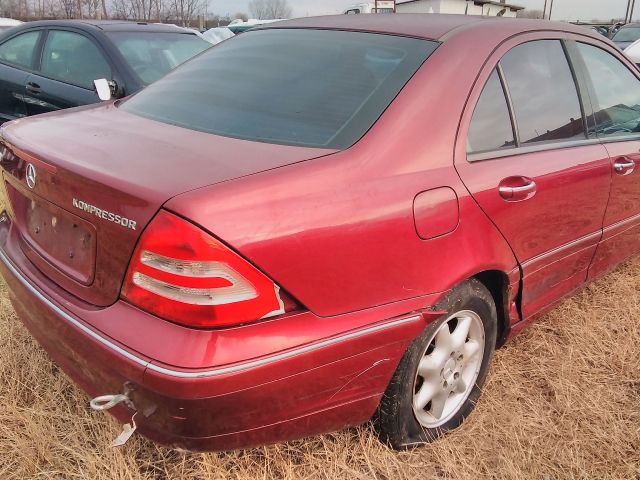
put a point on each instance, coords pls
(338, 232)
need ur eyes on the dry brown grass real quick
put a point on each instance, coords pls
(562, 401)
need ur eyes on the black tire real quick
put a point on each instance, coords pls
(395, 420)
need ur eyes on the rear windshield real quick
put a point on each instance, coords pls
(627, 34)
(315, 88)
(154, 54)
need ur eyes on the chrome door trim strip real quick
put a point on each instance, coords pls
(621, 226)
(540, 261)
(207, 373)
(526, 149)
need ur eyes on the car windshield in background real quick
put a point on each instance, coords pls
(628, 34)
(315, 88)
(153, 54)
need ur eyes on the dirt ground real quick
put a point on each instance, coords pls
(562, 401)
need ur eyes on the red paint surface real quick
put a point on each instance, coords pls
(622, 219)
(436, 212)
(340, 231)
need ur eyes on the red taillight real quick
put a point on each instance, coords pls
(181, 273)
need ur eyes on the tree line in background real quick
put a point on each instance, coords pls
(180, 12)
(270, 9)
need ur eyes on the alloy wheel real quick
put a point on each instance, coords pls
(448, 369)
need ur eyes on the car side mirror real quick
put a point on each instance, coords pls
(103, 89)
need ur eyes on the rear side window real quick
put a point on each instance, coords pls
(73, 58)
(315, 88)
(543, 92)
(490, 127)
(20, 50)
(617, 92)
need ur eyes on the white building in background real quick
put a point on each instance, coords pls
(383, 6)
(462, 7)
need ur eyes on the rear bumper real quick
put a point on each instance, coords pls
(219, 390)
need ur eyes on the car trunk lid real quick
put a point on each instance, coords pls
(100, 175)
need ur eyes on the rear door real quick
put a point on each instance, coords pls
(531, 167)
(71, 61)
(17, 58)
(614, 88)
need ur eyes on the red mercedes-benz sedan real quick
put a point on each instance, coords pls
(321, 222)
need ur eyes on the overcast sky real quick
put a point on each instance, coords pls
(562, 9)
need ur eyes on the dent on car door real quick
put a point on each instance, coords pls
(17, 57)
(70, 63)
(615, 95)
(532, 169)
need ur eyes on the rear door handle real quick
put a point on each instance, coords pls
(624, 166)
(32, 87)
(515, 189)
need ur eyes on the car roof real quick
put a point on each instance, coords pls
(429, 26)
(108, 25)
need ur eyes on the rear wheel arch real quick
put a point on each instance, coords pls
(397, 421)
(497, 282)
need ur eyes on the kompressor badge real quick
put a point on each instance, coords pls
(104, 214)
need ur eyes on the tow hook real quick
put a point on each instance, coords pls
(105, 402)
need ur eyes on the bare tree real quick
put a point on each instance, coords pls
(257, 8)
(270, 9)
(93, 8)
(67, 8)
(147, 10)
(144, 9)
(9, 8)
(183, 11)
(120, 9)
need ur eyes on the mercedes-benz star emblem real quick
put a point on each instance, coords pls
(31, 175)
